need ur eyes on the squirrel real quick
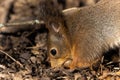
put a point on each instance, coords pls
(77, 37)
(91, 31)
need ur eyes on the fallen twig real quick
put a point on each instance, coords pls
(12, 58)
(18, 26)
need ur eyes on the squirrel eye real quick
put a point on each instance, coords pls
(53, 52)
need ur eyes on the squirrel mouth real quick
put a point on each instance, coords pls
(67, 63)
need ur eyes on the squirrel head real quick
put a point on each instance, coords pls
(58, 35)
(58, 44)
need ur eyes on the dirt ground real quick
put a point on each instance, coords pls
(23, 54)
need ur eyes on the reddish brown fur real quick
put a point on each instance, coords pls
(92, 30)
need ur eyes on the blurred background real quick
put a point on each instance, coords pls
(13, 10)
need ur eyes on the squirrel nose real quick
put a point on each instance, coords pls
(67, 63)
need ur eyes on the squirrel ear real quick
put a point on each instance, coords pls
(55, 27)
